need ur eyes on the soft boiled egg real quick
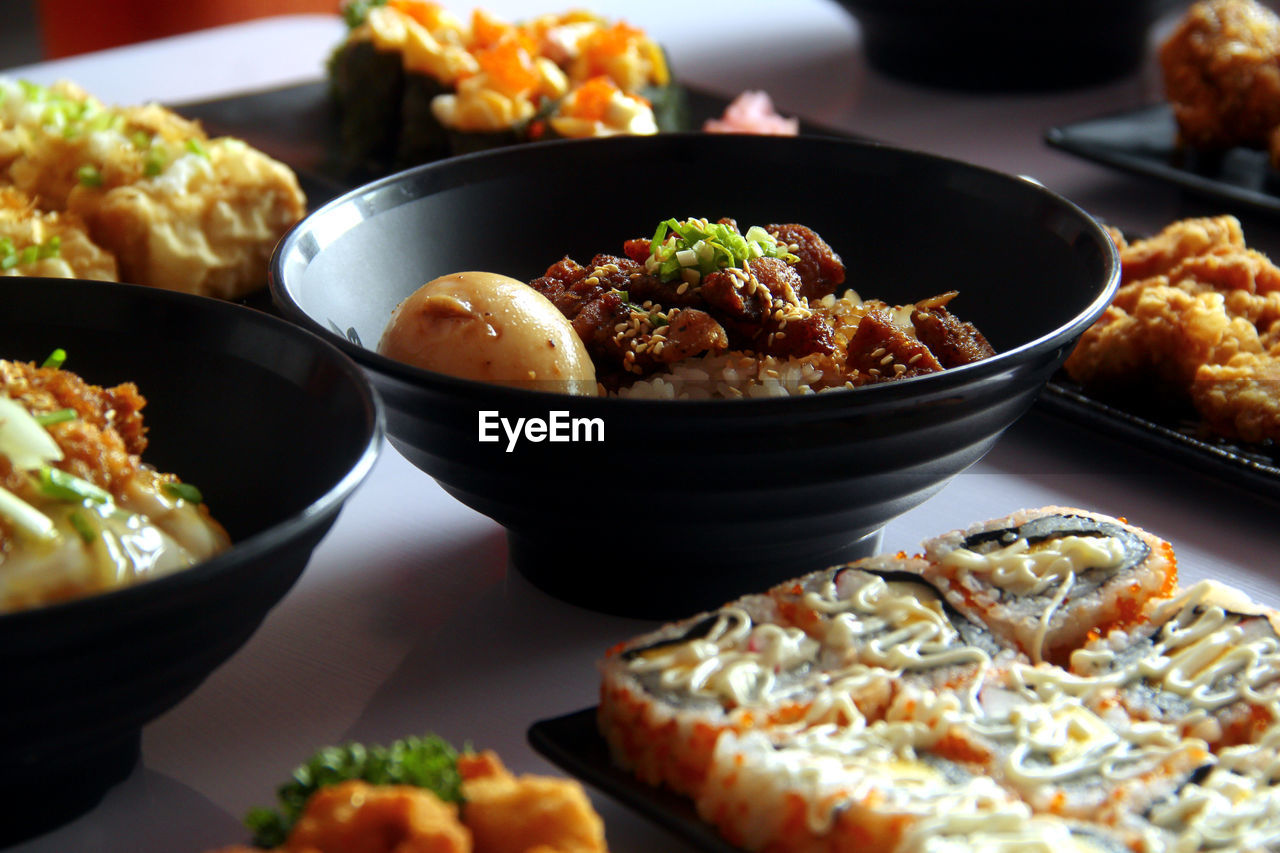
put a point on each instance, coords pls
(484, 326)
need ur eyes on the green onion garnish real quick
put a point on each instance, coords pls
(183, 491)
(83, 527)
(56, 417)
(89, 175)
(58, 484)
(695, 248)
(56, 359)
(194, 146)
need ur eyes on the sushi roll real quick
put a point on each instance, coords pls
(1044, 580)
(862, 791)
(667, 696)
(587, 46)
(47, 245)
(595, 109)
(1230, 805)
(1211, 666)
(398, 57)
(496, 105)
(177, 209)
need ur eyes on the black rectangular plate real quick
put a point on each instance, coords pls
(1254, 468)
(1144, 142)
(573, 743)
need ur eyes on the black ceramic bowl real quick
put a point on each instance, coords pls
(275, 426)
(1007, 45)
(685, 503)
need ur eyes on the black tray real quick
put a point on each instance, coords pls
(297, 126)
(1144, 142)
(1172, 437)
(573, 743)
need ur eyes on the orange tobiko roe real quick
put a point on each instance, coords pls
(423, 11)
(487, 29)
(591, 101)
(509, 64)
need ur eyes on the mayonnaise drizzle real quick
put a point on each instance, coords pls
(1025, 569)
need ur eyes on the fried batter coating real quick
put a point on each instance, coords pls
(177, 209)
(1196, 321)
(526, 814)
(48, 245)
(1222, 74)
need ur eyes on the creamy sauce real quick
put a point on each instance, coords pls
(1026, 570)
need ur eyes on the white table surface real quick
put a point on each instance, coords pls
(408, 620)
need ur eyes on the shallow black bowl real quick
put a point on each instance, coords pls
(685, 503)
(1007, 45)
(275, 426)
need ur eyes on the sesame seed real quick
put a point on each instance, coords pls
(888, 359)
(877, 352)
(684, 285)
(915, 358)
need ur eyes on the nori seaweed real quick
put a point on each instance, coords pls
(422, 137)
(368, 87)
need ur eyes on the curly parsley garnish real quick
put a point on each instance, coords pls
(426, 762)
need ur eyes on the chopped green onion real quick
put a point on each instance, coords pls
(183, 491)
(8, 262)
(153, 163)
(194, 146)
(56, 359)
(88, 175)
(50, 248)
(57, 483)
(57, 417)
(696, 247)
(84, 527)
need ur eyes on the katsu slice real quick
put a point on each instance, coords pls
(1045, 580)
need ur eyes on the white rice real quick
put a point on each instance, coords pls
(745, 374)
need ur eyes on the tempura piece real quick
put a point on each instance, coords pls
(49, 245)
(178, 209)
(1196, 320)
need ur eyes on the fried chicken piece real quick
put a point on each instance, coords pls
(1222, 74)
(1203, 329)
(1160, 343)
(526, 814)
(356, 817)
(1175, 243)
(1240, 399)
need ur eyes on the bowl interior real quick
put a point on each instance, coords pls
(907, 226)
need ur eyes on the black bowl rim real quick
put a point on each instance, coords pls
(946, 381)
(263, 541)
